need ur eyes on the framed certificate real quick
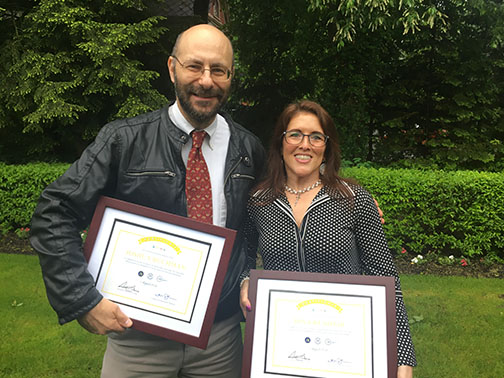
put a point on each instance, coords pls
(320, 325)
(164, 271)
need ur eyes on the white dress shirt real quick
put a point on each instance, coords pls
(214, 149)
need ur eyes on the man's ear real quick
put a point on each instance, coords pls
(171, 68)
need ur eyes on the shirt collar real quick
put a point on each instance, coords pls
(183, 124)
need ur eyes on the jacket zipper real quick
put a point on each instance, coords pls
(239, 175)
(152, 173)
(300, 231)
(231, 170)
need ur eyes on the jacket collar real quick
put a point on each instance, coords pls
(182, 135)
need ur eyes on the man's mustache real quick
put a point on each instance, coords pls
(211, 92)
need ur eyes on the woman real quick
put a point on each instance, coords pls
(305, 217)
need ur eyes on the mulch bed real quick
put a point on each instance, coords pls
(476, 269)
(11, 243)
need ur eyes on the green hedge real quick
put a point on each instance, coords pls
(20, 188)
(459, 213)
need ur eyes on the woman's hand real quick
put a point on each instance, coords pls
(405, 371)
(244, 299)
(380, 212)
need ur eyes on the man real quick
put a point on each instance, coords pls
(144, 160)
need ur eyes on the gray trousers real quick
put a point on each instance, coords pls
(137, 354)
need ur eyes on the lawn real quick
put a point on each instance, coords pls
(462, 331)
(458, 330)
(33, 343)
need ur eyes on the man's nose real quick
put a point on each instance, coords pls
(205, 79)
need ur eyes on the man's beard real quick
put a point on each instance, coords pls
(183, 93)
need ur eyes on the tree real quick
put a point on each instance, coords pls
(335, 52)
(349, 18)
(414, 81)
(273, 58)
(445, 105)
(68, 67)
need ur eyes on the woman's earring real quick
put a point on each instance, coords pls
(322, 168)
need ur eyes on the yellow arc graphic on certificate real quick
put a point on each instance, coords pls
(160, 240)
(319, 301)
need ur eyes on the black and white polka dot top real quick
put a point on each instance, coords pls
(337, 235)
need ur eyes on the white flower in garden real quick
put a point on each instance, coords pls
(414, 260)
(420, 257)
(451, 257)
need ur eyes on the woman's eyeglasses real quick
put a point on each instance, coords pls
(296, 137)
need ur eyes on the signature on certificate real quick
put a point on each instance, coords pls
(338, 361)
(298, 357)
(128, 288)
(163, 297)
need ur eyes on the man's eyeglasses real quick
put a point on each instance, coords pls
(296, 137)
(196, 69)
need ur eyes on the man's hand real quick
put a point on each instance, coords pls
(244, 300)
(380, 212)
(105, 317)
(404, 371)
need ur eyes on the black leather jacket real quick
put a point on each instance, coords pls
(136, 160)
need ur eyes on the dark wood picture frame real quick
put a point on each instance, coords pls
(229, 235)
(387, 282)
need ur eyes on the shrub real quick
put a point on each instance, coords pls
(458, 212)
(20, 188)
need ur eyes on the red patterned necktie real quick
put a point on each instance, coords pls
(198, 187)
